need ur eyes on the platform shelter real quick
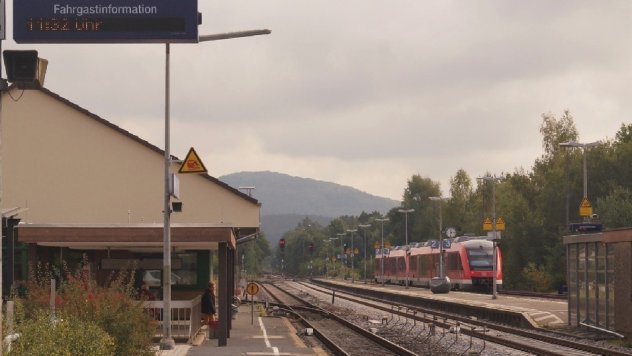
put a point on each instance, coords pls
(599, 277)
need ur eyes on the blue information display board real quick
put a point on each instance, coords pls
(101, 21)
(435, 243)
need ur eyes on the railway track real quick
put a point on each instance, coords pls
(338, 335)
(515, 338)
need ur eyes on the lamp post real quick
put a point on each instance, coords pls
(327, 260)
(342, 250)
(441, 269)
(352, 255)
(493, 179)
(333, 246)
(406, 212)
(167, 342)
(583, 146)
(364, 227)
(382, 220)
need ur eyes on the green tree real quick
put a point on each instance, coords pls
(461, 210)
(555, 131)
(423, 221)
(253, 254)
(616, 208)
(523, 237)
(622, 156)
(537, 277)
(297, 256)
(624, 135)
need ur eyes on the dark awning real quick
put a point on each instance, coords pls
(127, 236)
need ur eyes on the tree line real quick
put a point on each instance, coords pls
(537, 206)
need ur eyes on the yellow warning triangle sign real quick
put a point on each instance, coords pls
(192, 163)
(585, 208)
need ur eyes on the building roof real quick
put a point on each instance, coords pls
(607, 236)
(86, 234)
(141, 141)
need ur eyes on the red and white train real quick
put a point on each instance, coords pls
(468, 262)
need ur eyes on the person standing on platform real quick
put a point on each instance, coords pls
(208, 303)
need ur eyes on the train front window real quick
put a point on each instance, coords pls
(480, 259)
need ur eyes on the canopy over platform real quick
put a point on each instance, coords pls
(134, 237)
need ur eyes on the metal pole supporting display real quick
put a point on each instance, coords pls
(167, 342)
(441, 261)
(2, 87)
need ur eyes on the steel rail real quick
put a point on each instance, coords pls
(490, 326)
(397, 349)
(335, 348)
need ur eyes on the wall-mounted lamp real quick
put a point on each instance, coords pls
(25, 68)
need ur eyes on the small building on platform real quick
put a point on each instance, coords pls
(599, 276)
(79, 192)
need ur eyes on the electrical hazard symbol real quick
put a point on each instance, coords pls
(192, 163)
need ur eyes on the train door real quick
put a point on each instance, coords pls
(454, 267)
(413, 267)
(401, 269)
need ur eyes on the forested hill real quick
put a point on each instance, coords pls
(286, 200)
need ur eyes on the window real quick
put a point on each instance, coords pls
(188, 271)
(183, 271)
(481, 259)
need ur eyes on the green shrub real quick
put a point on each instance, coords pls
(537, 277)
(113, 308)
(63, 337)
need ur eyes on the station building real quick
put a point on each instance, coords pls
(77, 188)
(599, 276)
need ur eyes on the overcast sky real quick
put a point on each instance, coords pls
(365, 93)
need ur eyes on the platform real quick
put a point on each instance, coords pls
(264, 336)
(539, 312)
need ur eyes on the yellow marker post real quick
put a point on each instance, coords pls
(252, 289)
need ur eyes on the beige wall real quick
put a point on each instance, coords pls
(67, 167)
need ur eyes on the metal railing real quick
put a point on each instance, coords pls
(186, 317)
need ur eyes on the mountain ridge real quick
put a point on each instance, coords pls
(286, 200)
